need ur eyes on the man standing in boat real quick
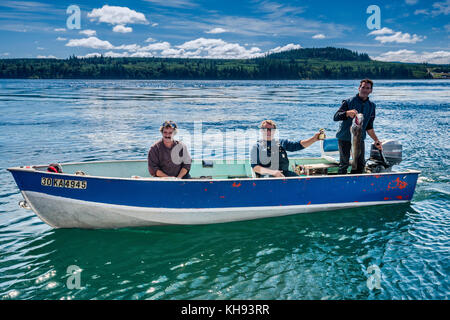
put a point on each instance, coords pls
(276, 164)
(348, 110)
(168, 157)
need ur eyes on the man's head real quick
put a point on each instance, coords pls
(365, 88)
(268, 128)
(168, 130)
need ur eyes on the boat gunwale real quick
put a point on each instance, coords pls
(173, 179)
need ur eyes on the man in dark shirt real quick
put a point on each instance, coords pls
(276, 163)
(168, 157)
(348, 110)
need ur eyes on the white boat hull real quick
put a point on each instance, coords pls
(60, 212)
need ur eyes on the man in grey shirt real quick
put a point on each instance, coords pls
(168, 157)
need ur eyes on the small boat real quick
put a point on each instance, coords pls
(116, 194)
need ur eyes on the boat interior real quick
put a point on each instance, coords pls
(200, 169)
(206, 169)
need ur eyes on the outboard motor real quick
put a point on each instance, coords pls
(382, 161)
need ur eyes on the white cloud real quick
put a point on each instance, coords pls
(381, 31)
(46, 57)
(438, 9)
(441, 8)
(144, 54)
(287, 47)
(150, 40)
(411, 2)
(117, 15)
(59, 29)
(116, 54)
(90, 55)
(387, 35)
(319, 36)
(411, 56)
(217, 30)
(88, 32)
(422, 11)
(122, 29)
(154, 24)
(174, 3)
(91, 42)
(213, 48)
(128, 47)
(61, 39)
(399, 37)
(156, 46)
(198, 48)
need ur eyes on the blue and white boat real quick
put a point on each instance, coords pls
(115, 194)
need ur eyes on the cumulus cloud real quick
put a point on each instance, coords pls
(381, 31)
(287, 47)
(319, 36)
(46, 57)
(156, 46)
(386, 35)
(61, 39)
(411, 56)
(88, 32)
(198, 48)
(117, 15)
(150, 40)
(215, 48)
(122, 29)
(91, 42)
(128, 47)
(217, 30)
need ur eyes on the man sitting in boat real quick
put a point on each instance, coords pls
(275, 164)
(168, 157)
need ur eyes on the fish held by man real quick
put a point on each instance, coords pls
(356, 131)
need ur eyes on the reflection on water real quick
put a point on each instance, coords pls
(309, 256)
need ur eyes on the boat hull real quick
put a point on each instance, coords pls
(99, 202)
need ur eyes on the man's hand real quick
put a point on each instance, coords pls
(351, 113)
(278, 174)
(378, 145)
(316, 136)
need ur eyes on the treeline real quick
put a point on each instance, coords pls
(311, 63)
(328, 53)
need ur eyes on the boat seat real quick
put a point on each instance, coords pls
(328, 148)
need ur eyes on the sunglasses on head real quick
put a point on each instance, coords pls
(169, 124)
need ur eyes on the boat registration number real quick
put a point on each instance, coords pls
(64, 183)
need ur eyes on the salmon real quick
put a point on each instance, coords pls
(356, 131)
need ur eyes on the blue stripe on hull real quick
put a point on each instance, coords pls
(228, 193)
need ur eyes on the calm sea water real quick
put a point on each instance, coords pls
(327, 255)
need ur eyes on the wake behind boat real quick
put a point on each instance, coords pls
(115, 194)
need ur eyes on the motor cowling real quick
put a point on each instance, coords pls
(383, 161)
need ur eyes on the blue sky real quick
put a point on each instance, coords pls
(409, 31)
